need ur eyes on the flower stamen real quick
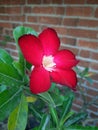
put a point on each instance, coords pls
(48, 63)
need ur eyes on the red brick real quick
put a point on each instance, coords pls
(8, 32)
(84, 63)
(88, 44)
(93, 116)
(70, 21)
(27, 9)
(11, 46)
(92, 1)
(75, 108)
(79, 11)
(74, 50)
(88, 98)
(14, 25)
(11, 10)
(47, 1)
(78, 102)
(95, 84)
(49, 20)
(88, 23)
(60, 10)
(52, 1)
(43, 10)
(1, 30)
(74, 1)
(14, 54)
(70, 41)
(34, 26)
(94, 55)
(96, 13)
(3, 17)
(83, 33)
(77, 94)
(33, 19)
(57, 1)
(1, 40)
(2, 10)
(95, 77)
(60, 30)
(92, 92)
(5, 25)
(17, 18)
(94, 66)
(12, 2)
(85, 53)
(34, 1)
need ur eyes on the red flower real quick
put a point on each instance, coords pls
(50, 64)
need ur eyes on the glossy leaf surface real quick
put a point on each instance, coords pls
(9, 99)
(44, 122)
(5, 57)
(76, 118)
(9, 76)
(18, 118)
(9, 71)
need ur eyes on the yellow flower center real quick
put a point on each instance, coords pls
(48, 63)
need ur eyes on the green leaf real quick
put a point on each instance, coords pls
(35, 128)
(76, 127)
(47, 98)
(66, 107)
(5, 57)
(75, 119)
(44, 122)
(66, 117)
(9, 76)
(54, 115)
(28, 65)
(9, 65)
(19, 67)
(53, 87)
(2, 87)
(84, 72)
(21, 30)
(58, 98)
(55, 129)
(9, 70)
(10, 81)
(18, 118)
(36, 112)
(89, 80)
(8, 101)
(21, 70)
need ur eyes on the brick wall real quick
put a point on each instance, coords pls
(76, 22)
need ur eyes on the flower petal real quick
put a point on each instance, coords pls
(31, 48)
(39, 80)
(65, 59)
(50, 41)
(65, 77)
